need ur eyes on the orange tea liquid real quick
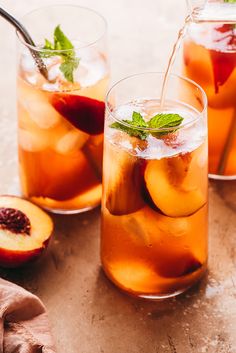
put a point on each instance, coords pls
(154, 208)
(61, 133)
(210, 60)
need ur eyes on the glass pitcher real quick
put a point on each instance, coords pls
(209, 58)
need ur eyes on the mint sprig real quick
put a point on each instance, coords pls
(165, 121)
(137, 121)
(168, 122)
(69, 60)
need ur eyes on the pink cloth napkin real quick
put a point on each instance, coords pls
(24, 324)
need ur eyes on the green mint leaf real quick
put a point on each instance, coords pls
(164, 121)
(170, 122)
(69, 60)
(137, 121)
(48, 45)
(68, 67)
(61, 42)
(130, 130)
(231, 1)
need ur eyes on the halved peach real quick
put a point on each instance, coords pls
(25, 231)
(165, 182)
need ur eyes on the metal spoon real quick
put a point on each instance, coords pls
(26, 36)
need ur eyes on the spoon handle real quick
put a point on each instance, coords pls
(27, 38)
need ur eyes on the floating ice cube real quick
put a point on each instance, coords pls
(71, 142)
(92, 67)
(33, 142)
(39, 109)
(43, 114)
(136, 230)
(27, 62)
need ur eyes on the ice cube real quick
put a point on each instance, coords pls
(71, 142)
(35, 102)
(174, 227)
(27, 62)
(42, 113)
(33, 142)
(92, 67)
(137, 230)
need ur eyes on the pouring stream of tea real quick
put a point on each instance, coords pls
(28, 40)
(172, 59)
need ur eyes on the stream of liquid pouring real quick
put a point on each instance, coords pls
(172, 59)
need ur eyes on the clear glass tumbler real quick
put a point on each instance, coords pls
(154, 205)
(61, 116)
(210, 60)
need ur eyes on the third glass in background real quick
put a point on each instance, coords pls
(61, 119)
(154, 207)
(210, 60)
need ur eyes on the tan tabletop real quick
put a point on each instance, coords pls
(88, 314)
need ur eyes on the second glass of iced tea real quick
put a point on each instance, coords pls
(61, 116)
(154, 206)
(210, 60)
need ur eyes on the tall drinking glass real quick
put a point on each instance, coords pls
(210, 60)
(154, 205)
(61, 118)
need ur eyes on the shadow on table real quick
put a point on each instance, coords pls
(227, 191)
(158, 322)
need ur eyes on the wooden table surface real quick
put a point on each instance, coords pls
(88, 314)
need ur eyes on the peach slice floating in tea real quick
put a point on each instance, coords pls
(25, 231)
(70, 170)
(173, 264)
(128, 176)
(223, 60)
(170, 194)
(84, 113)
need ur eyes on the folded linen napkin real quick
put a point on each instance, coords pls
(24, 324)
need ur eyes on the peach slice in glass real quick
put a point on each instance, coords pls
(86, 114)
(165, 182)
(124, 182)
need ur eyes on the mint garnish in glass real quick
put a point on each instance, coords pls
(65, 50)
(168, 122)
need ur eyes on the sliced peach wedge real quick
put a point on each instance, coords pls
(171, 264)
(123, 182)
(25, 231)
(170, 188)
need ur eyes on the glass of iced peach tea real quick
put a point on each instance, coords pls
(61, 114)
(210, 60)
(154, 205)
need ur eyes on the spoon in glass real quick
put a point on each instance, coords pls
(27, 38)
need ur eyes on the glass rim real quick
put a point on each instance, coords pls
(172, 129)
(38, 48)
